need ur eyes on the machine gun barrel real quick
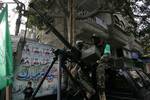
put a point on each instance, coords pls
(75, 52)
(53, 29)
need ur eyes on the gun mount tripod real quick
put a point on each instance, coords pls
(62, 55)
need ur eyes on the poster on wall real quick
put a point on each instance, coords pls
(35, 61)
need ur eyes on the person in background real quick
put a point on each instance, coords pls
(28, 91)
(103, 64)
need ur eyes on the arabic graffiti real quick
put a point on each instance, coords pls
(34, 63)
(26, 61)
(36, 54)
(26, 75)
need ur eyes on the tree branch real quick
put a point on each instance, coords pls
(63, 7)
(94, 13)
(81, 3)
(148, 15)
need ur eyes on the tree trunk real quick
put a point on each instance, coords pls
(71, 21)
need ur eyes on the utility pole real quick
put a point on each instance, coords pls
(18, 22)
(21, 9)
(71, 22)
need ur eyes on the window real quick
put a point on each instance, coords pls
(119, 52)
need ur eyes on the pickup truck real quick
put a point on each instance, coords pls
(121, 84)
(127, 84)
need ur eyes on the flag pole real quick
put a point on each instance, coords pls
(8, 95)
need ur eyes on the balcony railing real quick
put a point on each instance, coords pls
(92, 20)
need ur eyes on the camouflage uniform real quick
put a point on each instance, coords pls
(83, 79)
(81, 76)
(100, 75)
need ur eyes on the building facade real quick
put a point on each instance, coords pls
(112, 28)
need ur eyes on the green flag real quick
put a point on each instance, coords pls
(107, 49)
(6, 58)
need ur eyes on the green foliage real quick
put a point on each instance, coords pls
(36, 21)
(131, 9)
(34, 18)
